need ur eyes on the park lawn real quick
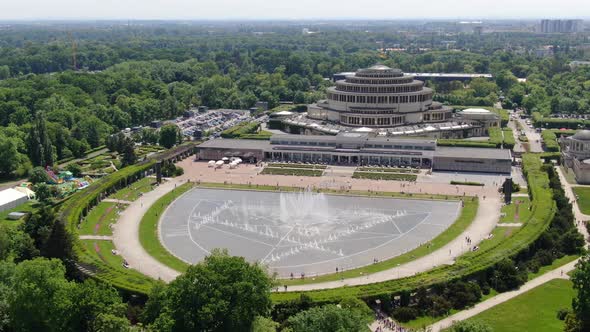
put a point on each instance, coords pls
(583, 198)
(509, 211)
(292, 171)
(148, 230)
(135, 190)
(306, 166)
(467, 215)
(556, 263)
(500, 234)
(424, 321)
(535, 310)
(28, 206)
(99, 218)
(384, 176)
(102, 250)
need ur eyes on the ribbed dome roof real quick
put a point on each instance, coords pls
(582, 135)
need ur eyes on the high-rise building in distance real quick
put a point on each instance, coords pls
(561, 26)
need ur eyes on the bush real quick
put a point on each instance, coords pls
(467, 183)
(562, 313)
(470, 326)
(550, 140)
(405, 314)
(38, 175)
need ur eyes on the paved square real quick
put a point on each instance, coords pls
(302, 232)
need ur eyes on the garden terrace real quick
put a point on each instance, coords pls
(74, 209)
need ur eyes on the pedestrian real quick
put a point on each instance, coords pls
(285, 288)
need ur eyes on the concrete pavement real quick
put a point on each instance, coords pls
(126, 234)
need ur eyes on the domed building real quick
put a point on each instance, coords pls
(575, 154)
(378, 97)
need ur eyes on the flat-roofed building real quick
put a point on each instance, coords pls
(472, 160)
(358, 149)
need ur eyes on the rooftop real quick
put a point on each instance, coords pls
(481, 153)
(221, 143)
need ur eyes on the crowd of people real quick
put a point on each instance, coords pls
(386, 324)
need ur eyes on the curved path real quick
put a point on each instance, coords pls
(126, 235)
(126, 240)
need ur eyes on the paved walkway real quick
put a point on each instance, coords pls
(560, 272)
(126, 240)
(118, 201)
(485, 220)
(126, 234)
(567, 187)
(96, 237)
(509, 224)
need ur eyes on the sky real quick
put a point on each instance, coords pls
(290, 9)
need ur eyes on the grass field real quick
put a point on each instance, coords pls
(99, 218)
(583, 198)
(135, 190)
(534, 310)
(29, 206)
(148, 230)
(522, 204)
(292, 171)
(384, 176)
(305, 166)
(388, 169)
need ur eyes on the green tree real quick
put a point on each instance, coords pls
(38, 143)
(471, 326)
(223, 293)
(581, 303)
(43, 192)
(329, 318)
(128, 151)
(75, 169)
(9, 156)
(38, 175)
(41, 298)
(4, 72)
(169, 135)
(263, 324)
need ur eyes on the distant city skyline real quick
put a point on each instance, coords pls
(289, 10)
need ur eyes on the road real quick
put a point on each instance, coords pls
(533, 136)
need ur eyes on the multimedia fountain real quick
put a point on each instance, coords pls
(300, 232)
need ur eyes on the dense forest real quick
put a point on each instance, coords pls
(126, 76)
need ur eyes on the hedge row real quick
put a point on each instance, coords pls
(557, 123)
(470, 264)
(384, 176)
(241, 129)
(550, 140)
(465, 143)
(467, 183)
(496, 136)
(509, 141)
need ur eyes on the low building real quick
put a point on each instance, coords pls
(472, 160)
(575, 154)
(480, 118)
(11, 198)
(358, 149)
